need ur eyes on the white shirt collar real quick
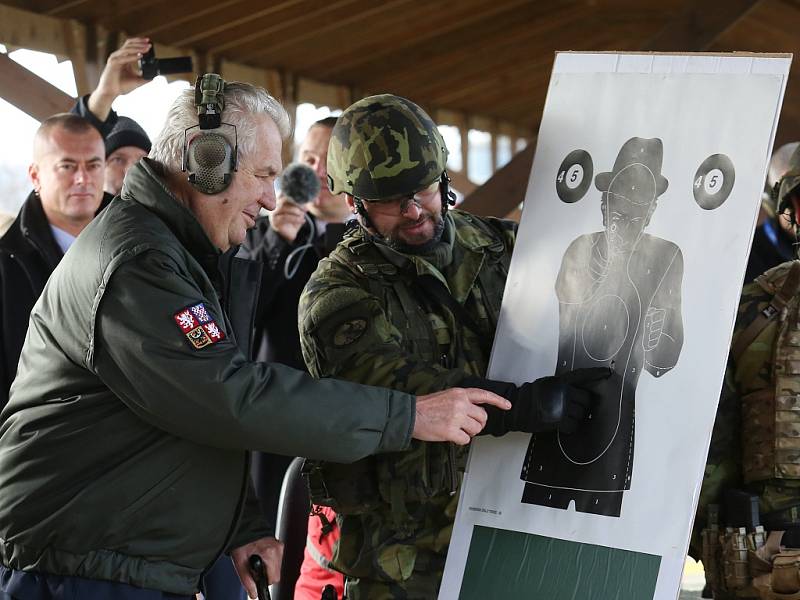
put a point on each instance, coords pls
(63, 239)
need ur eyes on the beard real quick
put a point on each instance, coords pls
(396, 243)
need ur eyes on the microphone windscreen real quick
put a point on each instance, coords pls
(299, 183)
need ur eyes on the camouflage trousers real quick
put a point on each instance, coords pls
(420, 586)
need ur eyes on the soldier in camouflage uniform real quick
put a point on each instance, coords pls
(755, 445)
(410, 300)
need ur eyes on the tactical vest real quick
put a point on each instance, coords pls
(771, 413)
(426, 472)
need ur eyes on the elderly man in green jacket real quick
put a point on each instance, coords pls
(123, 463)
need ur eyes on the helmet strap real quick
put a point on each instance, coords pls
(366, 222)
(447, 195)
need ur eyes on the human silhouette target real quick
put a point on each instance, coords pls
(619, 293)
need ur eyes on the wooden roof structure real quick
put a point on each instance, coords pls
(482, 64)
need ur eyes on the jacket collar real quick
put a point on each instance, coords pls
(31, 231)
(144, 184)
(35, 229)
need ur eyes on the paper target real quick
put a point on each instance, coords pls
(574, 176)
(713, 181)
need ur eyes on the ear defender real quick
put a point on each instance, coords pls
(208, 157)
(209, 162)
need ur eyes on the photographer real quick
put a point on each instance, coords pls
(125, 140)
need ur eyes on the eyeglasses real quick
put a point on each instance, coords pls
(403, 202)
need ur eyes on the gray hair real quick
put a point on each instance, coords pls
(243, 102)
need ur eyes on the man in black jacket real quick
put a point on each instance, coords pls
(67, 177)
(289, 251)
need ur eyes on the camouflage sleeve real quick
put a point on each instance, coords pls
(507, 229)
(752, 369)
(345, 333)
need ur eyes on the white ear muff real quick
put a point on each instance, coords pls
(209, 161)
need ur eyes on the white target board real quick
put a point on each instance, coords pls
(631, 252)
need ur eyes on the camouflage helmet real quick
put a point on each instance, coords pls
(384, 146)
(788, 184)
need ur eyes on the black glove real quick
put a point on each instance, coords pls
(559, 402)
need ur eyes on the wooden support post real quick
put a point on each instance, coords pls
(463, 129)
(29, 92)
(78, 41)
(289, 99)
(493, 131)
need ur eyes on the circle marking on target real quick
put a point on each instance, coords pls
(713, 181)
(574, 176)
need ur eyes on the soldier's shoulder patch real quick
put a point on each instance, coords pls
(197, 325)
(348, 332)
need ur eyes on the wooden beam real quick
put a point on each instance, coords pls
(63, 7)
(493, 149)
(504, 191)
(430, 21)
(25, 29)
(699, 25)
(192, 29)
(116, 15)
(29, 92)
(77, 37)
(255, 41)
(463, 130)
(323, 94)
(435, 58)
(338, 20)
(269, 79)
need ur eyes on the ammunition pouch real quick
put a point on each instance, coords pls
(731, 563)
(786, 574)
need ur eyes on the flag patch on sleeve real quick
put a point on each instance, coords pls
(197, 325)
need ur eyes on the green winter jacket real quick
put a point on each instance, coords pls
(122, 449)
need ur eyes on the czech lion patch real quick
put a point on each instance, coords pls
(197, 325)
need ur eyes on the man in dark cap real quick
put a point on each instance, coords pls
(125, 145)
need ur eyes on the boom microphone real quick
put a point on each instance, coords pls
(299, 183)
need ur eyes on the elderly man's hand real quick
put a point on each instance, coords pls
(120, 76)
(271, 552)
(454, 415)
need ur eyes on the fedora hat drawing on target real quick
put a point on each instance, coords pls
(647, 154)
